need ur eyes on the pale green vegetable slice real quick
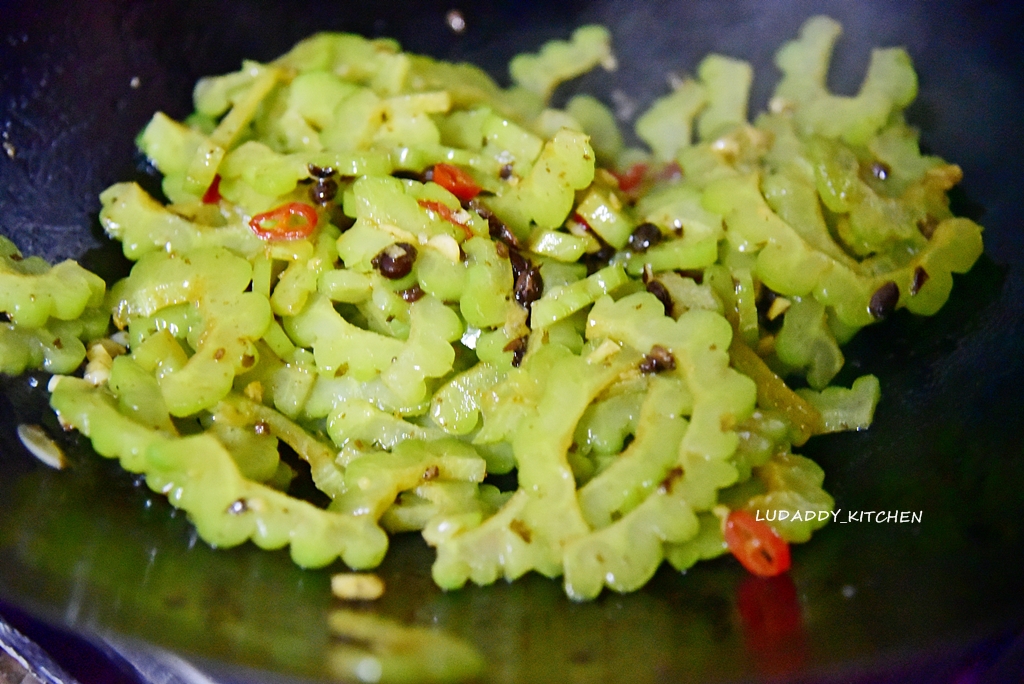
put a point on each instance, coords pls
(562, 60)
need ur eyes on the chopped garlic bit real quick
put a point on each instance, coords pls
(470, 337)
(357, 586)
(113, 347)
(576, 228)
(120, 338)
(100, 356)
(254, 391)
(446, 245)
(41, 446)
(99, 352)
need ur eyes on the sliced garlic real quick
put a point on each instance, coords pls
(41, 446)
(357, 586)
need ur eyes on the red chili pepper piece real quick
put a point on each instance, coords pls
(456, 181)
(443, 210)
(212, 194)
(578, 218)
(671, 171)
(292, 221)
(631, 178)
(756, 545)
(447, 213)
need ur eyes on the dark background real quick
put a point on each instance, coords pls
(91, 552)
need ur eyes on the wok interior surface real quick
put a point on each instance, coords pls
(92, 550)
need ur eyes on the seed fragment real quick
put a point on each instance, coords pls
(412, 294)
(499, 231)
(927, 226)
(661, 292)
(529, 284)
(495, 227)
(520, 528)
(395, 261)
(595, 261)
(920, 278)
(657, 360)
(884, 301)
(320, 171)
(645, 236)
(673, 476)
(519, 263)
(323, 191)
(696, 275)
(518, 349)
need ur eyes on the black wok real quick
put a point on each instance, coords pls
(90, 551)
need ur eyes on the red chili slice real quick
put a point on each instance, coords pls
(447, 213)
(671, 171)
(456, 181)
(212, 194)
(292, 221)
(578, 218)
(756, 545)
(631, 178)
(443, 210)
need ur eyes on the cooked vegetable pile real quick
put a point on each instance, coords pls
(419, 282)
